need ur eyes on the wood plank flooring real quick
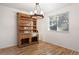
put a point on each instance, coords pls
(42, 48)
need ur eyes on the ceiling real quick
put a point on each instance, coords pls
(46, 7)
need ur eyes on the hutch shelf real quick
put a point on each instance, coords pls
(27, 33)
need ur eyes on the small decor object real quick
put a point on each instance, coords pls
(59, 22)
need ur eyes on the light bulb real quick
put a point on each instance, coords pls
(35, 11)
(31, 12)
(41, 13)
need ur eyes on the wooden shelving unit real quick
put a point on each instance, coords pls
(26, 26)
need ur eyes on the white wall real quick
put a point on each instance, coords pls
(66, 39)
(8, 26)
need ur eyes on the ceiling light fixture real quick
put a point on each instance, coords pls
(37, 12)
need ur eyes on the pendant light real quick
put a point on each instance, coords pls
(37, 12)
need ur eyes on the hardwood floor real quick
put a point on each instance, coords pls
(42, 48)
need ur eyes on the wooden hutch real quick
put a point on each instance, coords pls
(26, 30)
